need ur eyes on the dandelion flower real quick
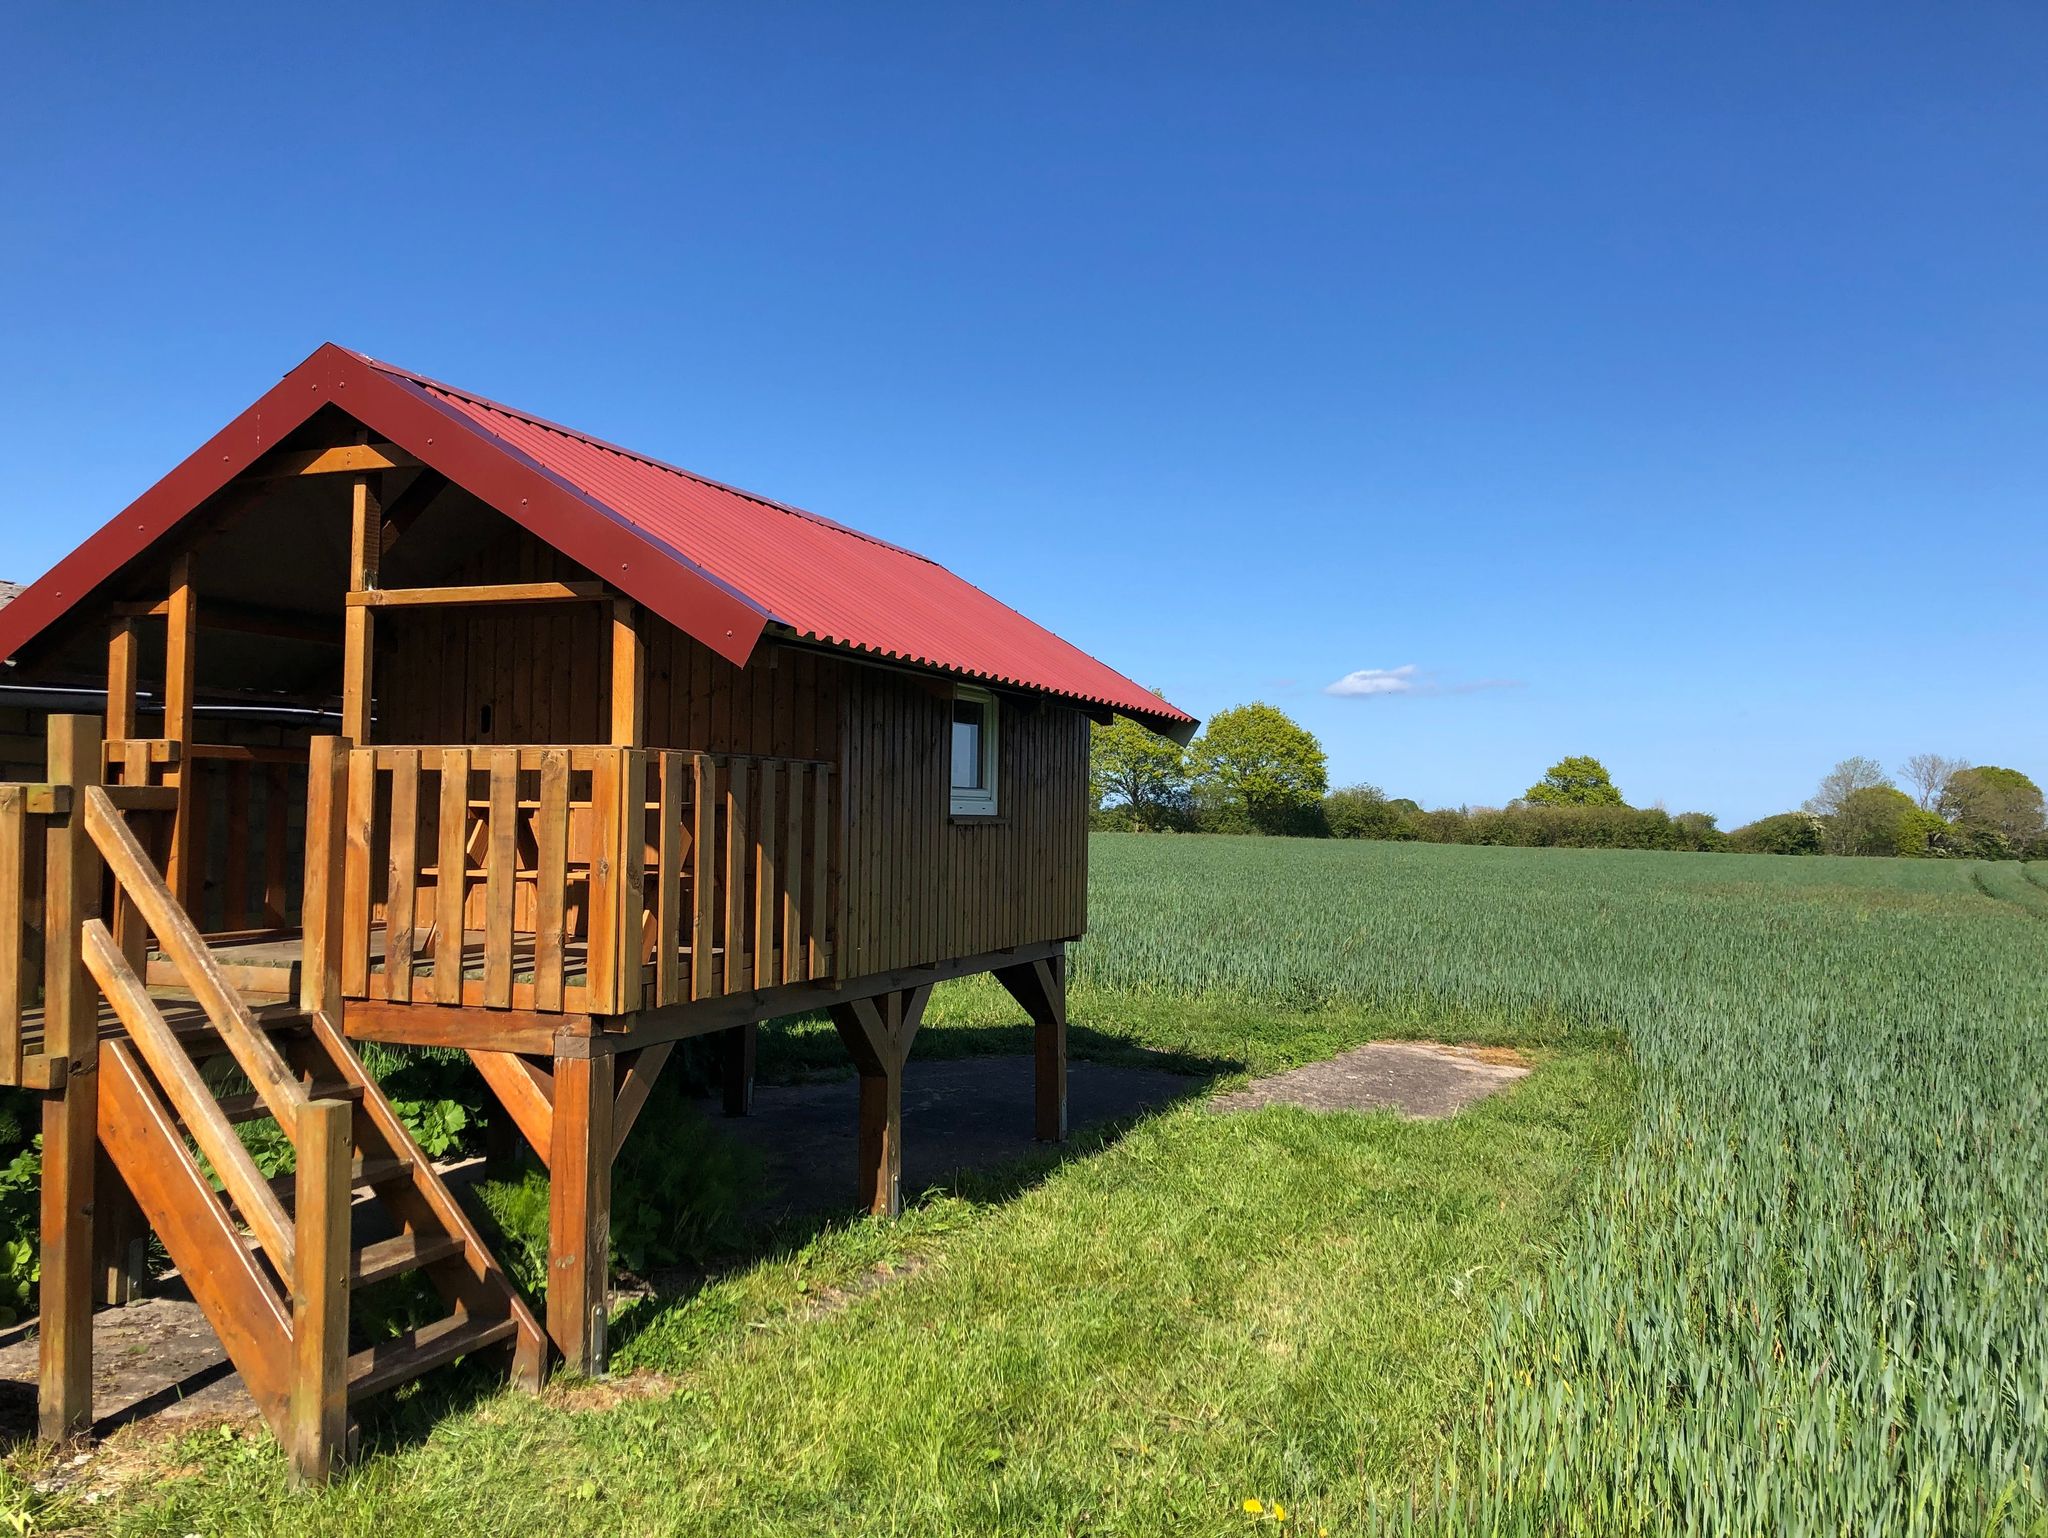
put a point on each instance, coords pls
(1253, 1507)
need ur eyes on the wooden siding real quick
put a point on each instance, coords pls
(544, 671)
(923, 885)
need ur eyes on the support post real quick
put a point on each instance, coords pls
(320, 1242)
(629, 677)
(580, 1210)
(877, 1033)
(121, 679)
(359, 632)
(736, 1068)
(185, 872)
(1041, 987)
(322, 912)
(70, 1114)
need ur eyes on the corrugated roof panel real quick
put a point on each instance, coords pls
(823, 580)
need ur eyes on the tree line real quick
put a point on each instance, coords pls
(1254, 769)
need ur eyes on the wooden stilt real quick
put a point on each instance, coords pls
(580, 1210)
(877, 1033)
(70, 1114)
(1041, 987)
(737, 1069)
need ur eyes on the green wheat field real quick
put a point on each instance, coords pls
(1810, 1292)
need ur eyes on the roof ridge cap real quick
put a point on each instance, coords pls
(606, 446)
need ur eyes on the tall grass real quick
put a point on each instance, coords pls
(1809, 1294)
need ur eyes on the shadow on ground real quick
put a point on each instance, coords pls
(967, 1129)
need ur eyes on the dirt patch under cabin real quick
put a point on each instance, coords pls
(1422, 1079)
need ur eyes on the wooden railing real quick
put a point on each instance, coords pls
(26, 951)
(21, 925)
(593, 880)
(742, 876)
(235, 859)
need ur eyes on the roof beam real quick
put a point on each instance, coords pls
(406, 507)
(492, 592)
(344, 459)
(246, 619)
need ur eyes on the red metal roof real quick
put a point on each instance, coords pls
(719, 563)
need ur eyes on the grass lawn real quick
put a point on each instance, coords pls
(1135, 1336)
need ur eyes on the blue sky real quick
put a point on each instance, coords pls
(1662, 382)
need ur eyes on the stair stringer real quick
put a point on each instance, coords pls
(226, 1279)
(472, 1279)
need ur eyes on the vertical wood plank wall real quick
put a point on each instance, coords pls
(924, 886)
(919, 886)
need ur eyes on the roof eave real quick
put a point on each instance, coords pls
(485, 466)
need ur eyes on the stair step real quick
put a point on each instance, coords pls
(362, 1172)
(389, 1363)
(380, 1262)
(250, 1107)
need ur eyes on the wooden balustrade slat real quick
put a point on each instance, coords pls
(631, 888)
(766, 875)
(276, 833)
(740, 769)
(500, 880)
(235, 878)
(704, 976)
(793, 969)
(195, 1104)
(450, 861)
(13, 929)
(821, 869)
(551, 841)
(668, 878)
(602, 949)
(400, 887)
(357, 831)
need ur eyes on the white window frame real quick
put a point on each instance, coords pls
(982, 802)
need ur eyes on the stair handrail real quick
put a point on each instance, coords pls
(268, 1073)
(188, 1095)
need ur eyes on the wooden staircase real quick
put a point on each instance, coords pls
(272, 1262)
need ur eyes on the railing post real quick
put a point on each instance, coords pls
(71, 1112)
(320, 1246)
(320, 968)
(632, 868)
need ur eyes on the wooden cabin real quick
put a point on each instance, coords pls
(407, 717)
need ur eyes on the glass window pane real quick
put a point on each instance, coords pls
(967, 745)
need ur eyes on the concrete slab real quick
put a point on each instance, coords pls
(1422, 1079)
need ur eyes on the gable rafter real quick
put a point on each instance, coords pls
(407, 425)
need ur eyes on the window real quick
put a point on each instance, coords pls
(974, 753)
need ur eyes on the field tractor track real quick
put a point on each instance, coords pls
(2011, 899)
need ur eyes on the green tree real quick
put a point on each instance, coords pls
(1255, 767)
(1786, 833)
(1577, 781)
(1139, 773)
(1877, 820)
(1993, 806)
(1363, 811)
(1843, 781)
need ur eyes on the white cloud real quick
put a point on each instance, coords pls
(1368, 681)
